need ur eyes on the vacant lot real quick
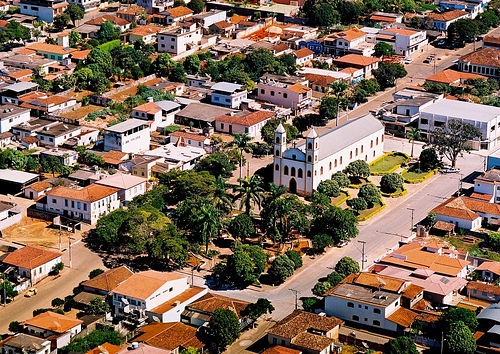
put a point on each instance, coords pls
(34, 232)
(131, 91)
(81, 112)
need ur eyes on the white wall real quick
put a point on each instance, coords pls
(472, 225)
(132, 143)
(282, 96)
(253, 131)
(7, 123)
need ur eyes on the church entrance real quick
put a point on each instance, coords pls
(293, 186)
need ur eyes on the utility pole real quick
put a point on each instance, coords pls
(363, 255)
(296, 292)
(4, 292)
(60, 236)
(70, 251)
(411, 226)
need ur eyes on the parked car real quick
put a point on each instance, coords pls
(450, 170)
(408, 61)
(427, 60)
(342, 243)
(31, 292)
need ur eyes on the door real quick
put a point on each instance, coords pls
(293, 186)
(230, 129)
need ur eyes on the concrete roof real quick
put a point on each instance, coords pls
(203, 111)
(127, 125)
(172, 152)
(121, 181)
(20, 86)
(17, 176)
(463, 110)
(9, 110)
(491, 313)
(226, 87)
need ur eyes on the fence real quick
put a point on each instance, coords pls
(428, 342)
(14, 219)
(127, 86)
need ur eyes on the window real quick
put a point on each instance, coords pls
(277, 153)
(309, 146)
(330, 165)
(54, 201)
(272, 93)
(285, 171)
(262, 91)
(376, 323)
(216, 98)
(321, 170)
(65, 202)
(371, 143)
(377, 311)
(355, 318)
(376, 141)
(294, 157)
(285, 95)
(85, 207)
(484, 293)
(309, 158)
(366, 307)
(308, 173)
(292, 172)
(350, 304)
(277, 138)
(300, 173)
(424, 121)
(359, 306)
(341, 160)
(72, 203)
(350, 155)
(361, 148)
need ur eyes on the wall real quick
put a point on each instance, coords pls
(126, 87)
(43, 271)
(6, 124)
(10, 221)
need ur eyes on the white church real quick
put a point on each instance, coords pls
(300, 169)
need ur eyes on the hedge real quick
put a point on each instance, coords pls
(110, 45)
(358, 186)
(395, 194)
(419, 180)
(344, 199)
(366, 217)
(406, 160)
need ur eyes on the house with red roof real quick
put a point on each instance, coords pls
(245, 122)
(303, 56)
(367, 64)
(489, 270)
(32, 263)
(404, 41)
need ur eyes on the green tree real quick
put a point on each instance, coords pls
(428, 159)
(242, 143)
(321, 288)
(388, 73)
(178, 74)
(218, 164)
(281, 268)
(412, 135)
(209, 221)
(453, 315)
(401, 345)
(110, 228)
(339, 224)
(245, 265)
(259, 308)
(370, 193)
(267, 131)
(224, 327)
(329, 107)
(190, 350)
(320, 13)
(259, 62)
(32, 164)
(74, 37)
(349, 11)
(320, 242)
(95, 272)
(463, 30)
(7, 288)
(57, 302)
(391, 182)
(329, 187)
(241, 227)
(358, 168)
(295, 257)
(309, 303)
(97, 306)
(341, 179)
(94, 339)
(346, 266)
(192, 64)
(383, 49)
(102, 60)
(52, 164)
(250, 192)
(357, 204)
(163, 65)
(108, 32)
(75, 12)
(197, 6)
(15, 327)
(334, 277)
(61, 21)
(459, 340)
(493, 240)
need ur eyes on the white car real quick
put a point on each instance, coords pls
(408, 61)
(450, 170)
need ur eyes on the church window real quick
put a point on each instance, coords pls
(292, 172)
(309, 158)
(277, 140)
(300, 173)
(374, 154)
(350, 155)
(285, 170)
(335, 162)
(376, 141)
(341, 160)
(315, 173)
(294, 157)
(330, 165)
(321, 170)
(371, 143)
(277, 167)
(361, 148)
(309, 146)
(316, 158)
(308, 173)
(366, 158)
(382, 138)
(277, 153)
(356, 151)
(316, 145)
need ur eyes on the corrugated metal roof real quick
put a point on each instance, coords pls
(226, 87)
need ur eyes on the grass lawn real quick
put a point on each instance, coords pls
(387, 163)
(412, 175)
(343, 195)
(366, 212)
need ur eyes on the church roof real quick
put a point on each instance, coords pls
(345, 135)
(280, 129)
(312, 134)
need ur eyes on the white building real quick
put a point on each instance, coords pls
(57, 328)
(405, 42)
(146, 290)
(179, 39)
(485, 118)
(191, 139)
(161, 113)
(487, 185)
(132, 135)
(155, 6)
(57, 134)
(177, 14)
(228, 94)
(128, 186)
(343, 42)
(178, 155)
(246, 122)
(11, 115)
(300, 169)
(207, 19)
(87, 204)
(303, 56)
(45, 10)
(33, 263)
(484, 61)
(286, 91)
(88, 5)
(66, 156)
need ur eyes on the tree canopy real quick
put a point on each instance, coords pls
(224, 327)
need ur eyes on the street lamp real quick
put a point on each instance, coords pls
(363, 255)
(411, 225)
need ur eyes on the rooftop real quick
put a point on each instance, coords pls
(466, 208)
(447, 16)
(203, 111)
(143, 348)
(20, 86)
(303, 53)
(246, 119)
(179, 299)
(356, 60)
(17, 176)
(91, 193)
(480, 287)
(127, 125)
(169, 336)
(492, 176)
(110, 279)
(105, 348)
(483, 56)
(463, 110)
(59, 129)
(176, 152)
(490, 266)
(210, 302)
(121, 181)
(179, 11)
(144, 284)
(8, 110)
(50, 48)
(227, 87)
(348, 35)
(364, 294)
(449, 76)
(25, 343)
(53, 322)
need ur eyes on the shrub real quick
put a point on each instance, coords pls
(494, 241)
(320, 242)
(391, 182)
(309, 303)
(428, 159)
(341, 179)
(281, 268)
(15, 327)
(357, 204)
(321, 288)
(335, 277)
(57, 302)
(94, 273)
(329, 187)
(358, 168)
(295, 258)
(370, 193)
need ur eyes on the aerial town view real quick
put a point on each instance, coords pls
(250, 176)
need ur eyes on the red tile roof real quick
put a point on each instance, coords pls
(142, 285)
(303, 53)
(169, 335)
(449, 76)
(53, 322)
(490, 266)
(30, 257)
(179, 11)
(447, 16)
(191, 136)
(356, 60)
(91, 193)
(247, 120)
(109, 280)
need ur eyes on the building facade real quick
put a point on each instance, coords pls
(131, 136)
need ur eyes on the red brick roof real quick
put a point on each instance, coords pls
(30, 257)
(303, 53)
(91, 193)
(248, 120)
(447, 16)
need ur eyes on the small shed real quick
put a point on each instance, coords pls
(443, 228)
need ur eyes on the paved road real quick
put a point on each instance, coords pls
(22, 308)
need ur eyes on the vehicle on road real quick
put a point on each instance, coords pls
(427, 60)
(441, 42)
(342, 243)
(31, 292)
(408, 61)
(450, 170)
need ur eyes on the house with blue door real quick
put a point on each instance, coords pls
(316, 45)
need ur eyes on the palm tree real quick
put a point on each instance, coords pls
(412, 135)
(209, 222)
(222, 200)
(242, 142)
(250, 191)
(339, 90)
